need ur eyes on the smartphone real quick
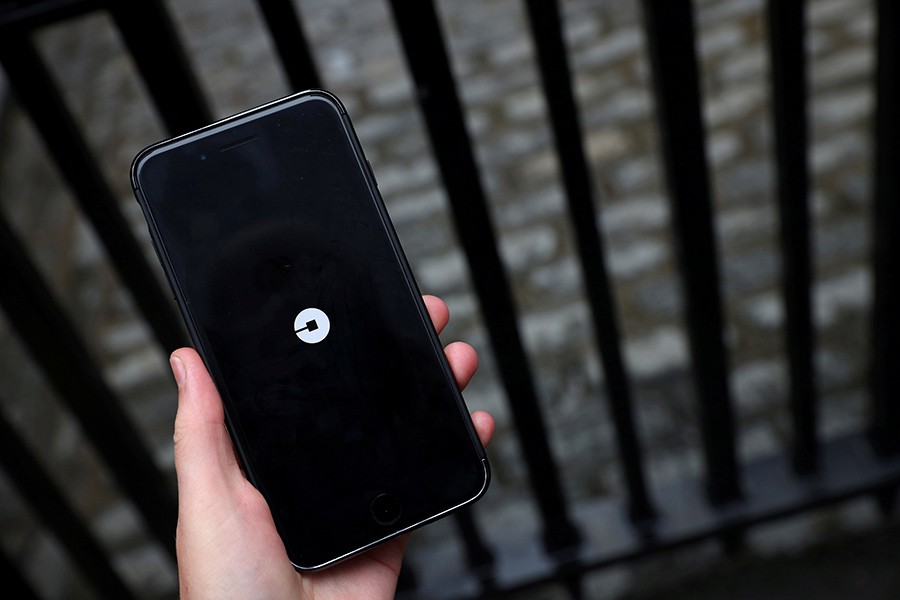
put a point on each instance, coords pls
(295, 291)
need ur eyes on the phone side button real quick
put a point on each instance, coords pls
(371, 172)
(159, 259)
(386, 509)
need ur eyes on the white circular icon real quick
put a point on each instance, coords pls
(312, 325)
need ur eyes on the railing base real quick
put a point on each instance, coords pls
(849, 468)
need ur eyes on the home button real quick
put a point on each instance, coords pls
(385, 509)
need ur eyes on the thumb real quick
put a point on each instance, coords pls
(204, 455)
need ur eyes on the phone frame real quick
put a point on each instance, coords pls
(207, 356)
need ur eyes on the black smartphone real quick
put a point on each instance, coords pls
(296, 293)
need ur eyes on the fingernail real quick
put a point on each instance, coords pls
(178, 370)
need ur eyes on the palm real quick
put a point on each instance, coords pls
(370, 575)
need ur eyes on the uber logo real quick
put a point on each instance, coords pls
(311, 325)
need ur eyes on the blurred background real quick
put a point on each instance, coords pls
(845, 549)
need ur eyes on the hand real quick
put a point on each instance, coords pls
(226, 541)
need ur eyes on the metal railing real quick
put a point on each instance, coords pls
(735, 496)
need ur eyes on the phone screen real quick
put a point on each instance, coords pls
(297, 295)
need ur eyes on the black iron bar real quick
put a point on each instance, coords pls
(786, 25)
(151, 38)
(21, 16)
(574, 585)
(406, 580)
(670, 37)
(423, 43)
(886, 233)
(293, 49)
(546, 29)
(48, 501)
(37, 94)
(478, 555)
(886, 500)
(14, 584)
(56, 347)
